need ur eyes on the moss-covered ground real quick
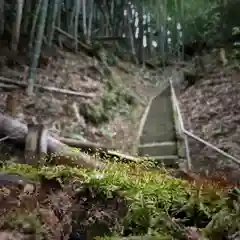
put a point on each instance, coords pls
(125, 200)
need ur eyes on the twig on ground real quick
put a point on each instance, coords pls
(8, 86)
(4, 138)
(50, 89)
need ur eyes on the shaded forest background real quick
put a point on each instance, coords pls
(145, 29)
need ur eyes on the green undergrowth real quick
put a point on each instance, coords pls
(158, 206)
(116, 99)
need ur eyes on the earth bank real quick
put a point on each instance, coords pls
(129, 200)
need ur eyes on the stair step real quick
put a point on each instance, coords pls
(169, 143)
(159, 123)
(166, 157)
(158, 149)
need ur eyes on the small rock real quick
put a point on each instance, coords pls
(29, 189)
(7, 179)
(193, 234)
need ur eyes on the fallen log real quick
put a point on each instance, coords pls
(87, 48)
(156, 62)
(9, 179)
(46, 88)
(61, 154)
(86, 146)
(8, 86)
(94, 148)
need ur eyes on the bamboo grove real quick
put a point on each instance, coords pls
(131, 25)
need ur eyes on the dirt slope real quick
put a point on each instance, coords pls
(211, 110)
(105, 119)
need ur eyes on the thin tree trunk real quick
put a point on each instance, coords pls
(77, 5)
(37, 48)
(84, 18)
(17, 26)
(131, 36)
(90, 19)
(53, 21)
(2, 20)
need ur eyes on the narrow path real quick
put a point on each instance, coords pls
(157, 137)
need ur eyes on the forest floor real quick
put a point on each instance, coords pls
(211, 110)
(110, 117)
(127, 201)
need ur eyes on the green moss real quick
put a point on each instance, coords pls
(154, 199)
(116, 99)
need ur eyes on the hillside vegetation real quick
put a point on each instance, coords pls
(86, 71)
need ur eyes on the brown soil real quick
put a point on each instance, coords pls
(49, 213)
(211, 110)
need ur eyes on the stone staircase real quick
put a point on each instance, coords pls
(158, 138)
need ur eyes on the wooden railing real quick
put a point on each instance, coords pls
(184, 134)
